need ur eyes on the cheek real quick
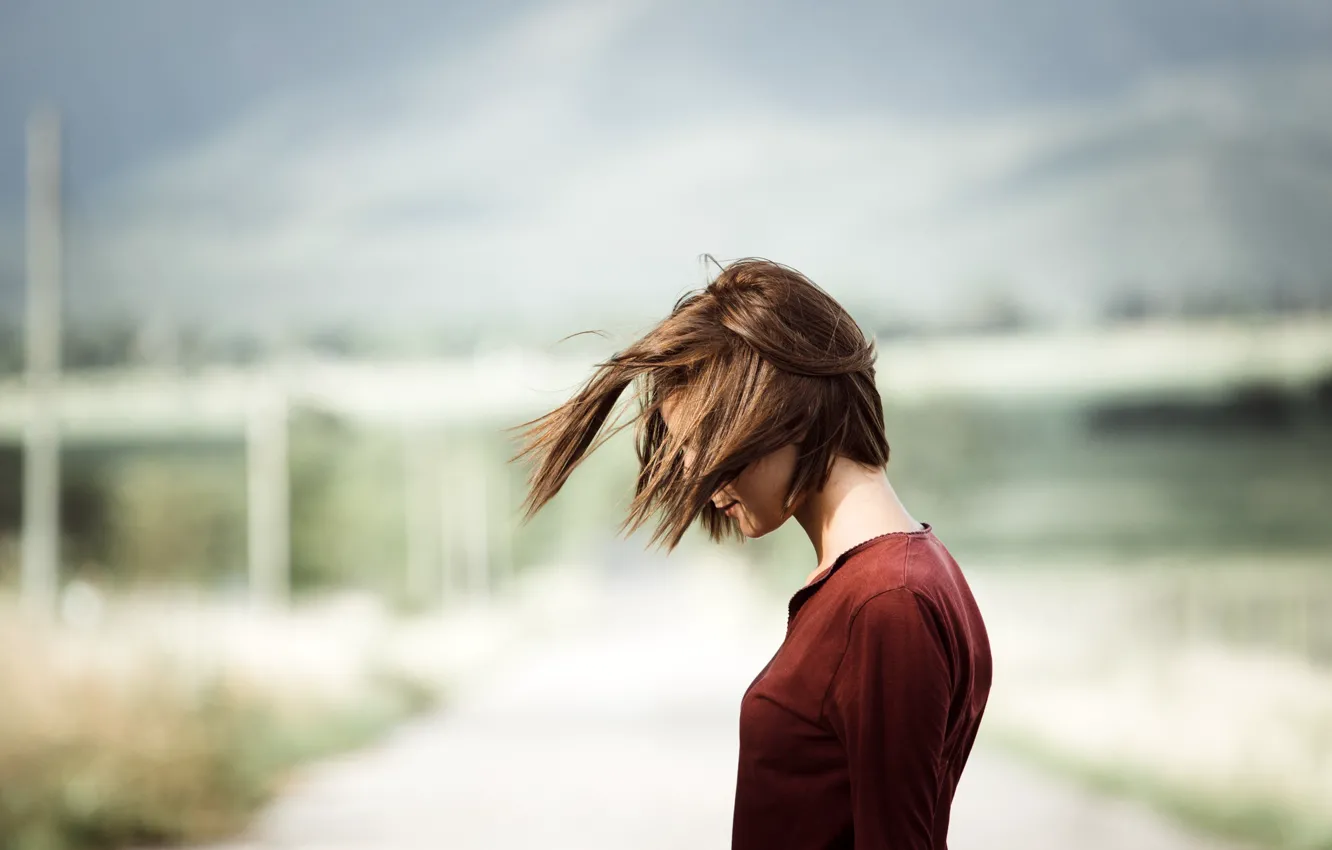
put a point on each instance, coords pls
(763, 484)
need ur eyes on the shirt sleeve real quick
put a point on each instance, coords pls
(888, 703)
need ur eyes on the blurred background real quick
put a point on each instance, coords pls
(275, 278)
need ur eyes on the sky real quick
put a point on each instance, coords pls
(558, 165)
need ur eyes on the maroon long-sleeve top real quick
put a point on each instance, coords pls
(855, 733)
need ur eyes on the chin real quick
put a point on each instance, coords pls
(752, 531)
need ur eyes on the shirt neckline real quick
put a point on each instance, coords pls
(841, 559)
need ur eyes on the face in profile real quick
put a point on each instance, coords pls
(754, 499)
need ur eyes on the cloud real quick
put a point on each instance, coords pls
(493, 182)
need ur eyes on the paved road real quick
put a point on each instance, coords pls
(617, 730)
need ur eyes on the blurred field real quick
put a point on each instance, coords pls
(1009, 481)
(1037, 482)
(1158, 585)
(163, 718)
(1198, 689)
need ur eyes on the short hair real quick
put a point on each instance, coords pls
(760, 357)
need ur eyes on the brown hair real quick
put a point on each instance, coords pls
(760, 358)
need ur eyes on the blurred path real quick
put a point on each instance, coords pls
(617, 730)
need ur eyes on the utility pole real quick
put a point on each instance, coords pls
(446, 487)
(420, 457)
(269, 489)
(41, 439)
(479, 578)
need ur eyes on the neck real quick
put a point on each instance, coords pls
(856, 504)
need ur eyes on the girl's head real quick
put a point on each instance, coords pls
(746, 393)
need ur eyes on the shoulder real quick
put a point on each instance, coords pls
(915, 564)
(911, 583)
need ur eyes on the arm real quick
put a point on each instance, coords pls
(888, 703)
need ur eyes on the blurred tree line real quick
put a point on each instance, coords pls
(175, 512)
(122, 341)
(997, 479)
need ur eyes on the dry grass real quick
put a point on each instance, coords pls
(170, 720)
(1231, 734)
(90, 760)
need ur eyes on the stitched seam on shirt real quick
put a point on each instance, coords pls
(944, 756)
(851, 624)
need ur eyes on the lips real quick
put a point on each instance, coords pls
(726, 508)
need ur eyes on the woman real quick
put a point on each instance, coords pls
(757, 403)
